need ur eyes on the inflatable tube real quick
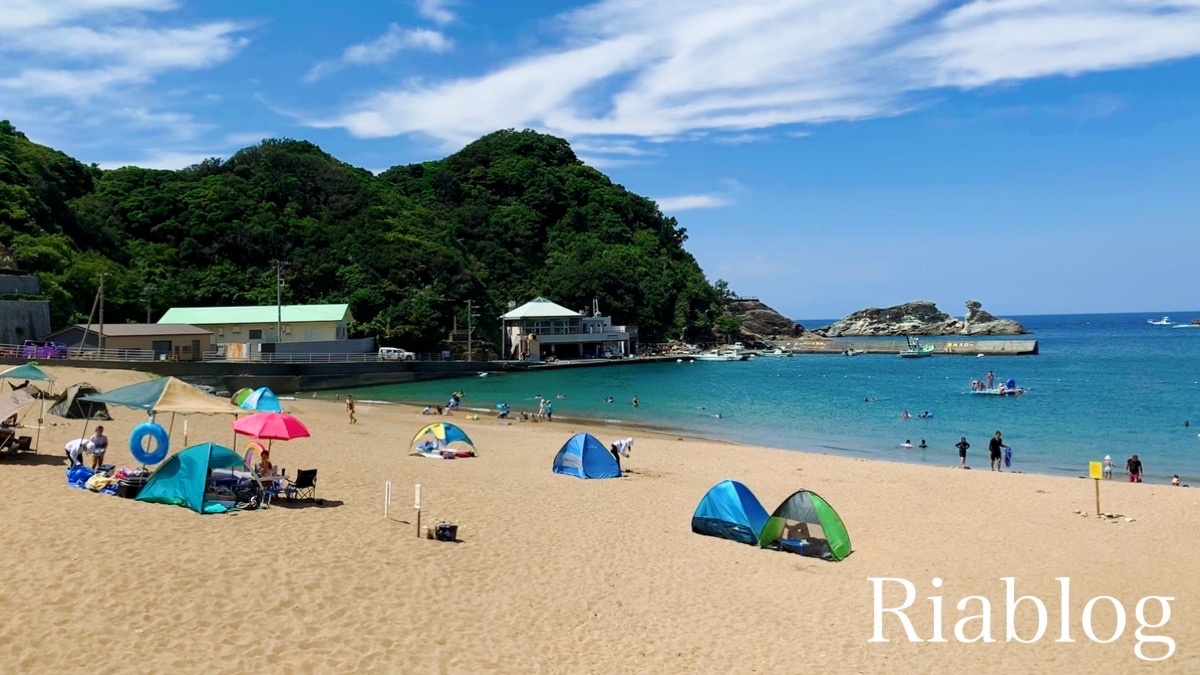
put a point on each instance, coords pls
(162, 443)
(1007, 457)
(254, 450)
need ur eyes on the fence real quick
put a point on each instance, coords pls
(88, 353)
(262, 357)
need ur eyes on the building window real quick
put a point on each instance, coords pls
(237, 329)
(255, 333)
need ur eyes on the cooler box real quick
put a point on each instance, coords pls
(129, 487)
(446, 532)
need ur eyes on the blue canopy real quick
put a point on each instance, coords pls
(583, 456)
(731, 511)
(262, 400)
(28, 371)
(182, 479)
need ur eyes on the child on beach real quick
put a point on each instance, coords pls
(1108, 467)
(962, 446)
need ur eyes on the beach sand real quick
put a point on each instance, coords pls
(561, 575)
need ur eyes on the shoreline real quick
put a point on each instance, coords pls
(850, 453)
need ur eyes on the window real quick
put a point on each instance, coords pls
(255, 334)
(220, 331)
(237, 329)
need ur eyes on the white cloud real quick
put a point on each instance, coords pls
(436, 11)
(162, 159)
(684, 68)
(692, 202)
(89, 64)
(382, 49)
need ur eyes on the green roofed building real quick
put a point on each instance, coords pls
(250, 324)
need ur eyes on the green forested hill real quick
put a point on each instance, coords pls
(511, 216)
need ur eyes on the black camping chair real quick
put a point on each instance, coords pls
(305, 485)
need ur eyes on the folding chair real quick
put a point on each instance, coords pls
(305, 485)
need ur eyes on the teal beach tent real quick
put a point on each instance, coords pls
(731, 511)
(583, 456)
(182, 478)
(262, 400)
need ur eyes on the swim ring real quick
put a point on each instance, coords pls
(162, 443)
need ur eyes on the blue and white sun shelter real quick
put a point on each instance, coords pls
(583, 456)
(262, 400)
(731, 511)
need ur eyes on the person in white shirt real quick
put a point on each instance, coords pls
(621, 448)
(75, 450)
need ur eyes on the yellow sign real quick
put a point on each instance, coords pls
(1095, 470)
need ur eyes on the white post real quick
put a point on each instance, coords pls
(387, 497)
(417, 506)
(185, 432)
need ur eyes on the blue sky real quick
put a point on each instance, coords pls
(1040, 156)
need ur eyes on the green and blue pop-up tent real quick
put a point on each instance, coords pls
(801, 509)
(261, 399)
(584, 456)
(731, 511)
(182, 479)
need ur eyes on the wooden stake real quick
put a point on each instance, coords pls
(1097, 498)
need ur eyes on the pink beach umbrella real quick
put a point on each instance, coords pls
(271, 426)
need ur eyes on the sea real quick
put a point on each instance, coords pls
(1102, 384)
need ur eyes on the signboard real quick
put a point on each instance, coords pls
(1095, 470)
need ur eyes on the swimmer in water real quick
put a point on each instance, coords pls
(906, 444)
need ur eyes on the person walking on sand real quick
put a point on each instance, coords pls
(962, 446)
(350, 409)
(996, 449)
(1134, 468)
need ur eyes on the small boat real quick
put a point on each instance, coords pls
(916, 349)
(851, 351)
(777, 353)
(1165, 321)
(1007, 388)
(717, 355)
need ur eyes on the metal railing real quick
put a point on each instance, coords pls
(85, 353)
(324, 358)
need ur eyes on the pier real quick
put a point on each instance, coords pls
(948, 347)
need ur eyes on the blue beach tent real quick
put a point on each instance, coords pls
(182, 478)
(583, 456)
(731, 511)
(262, 400)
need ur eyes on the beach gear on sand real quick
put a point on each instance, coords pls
(182, 479)
(807, 508)
(584, 456)
(261, 399)
(729, 510)
(162, 443)
(434, 441)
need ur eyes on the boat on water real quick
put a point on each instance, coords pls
(915, 349)
(777, 353)
(1165, 321)
(1007, 388)
(718, 355)
(851, 351)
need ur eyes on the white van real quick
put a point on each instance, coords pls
(395, 354)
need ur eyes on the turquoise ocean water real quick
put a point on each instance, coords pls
(1103, 384)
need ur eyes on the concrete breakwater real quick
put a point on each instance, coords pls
(952, 346)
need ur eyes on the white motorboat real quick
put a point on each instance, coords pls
(1165, 321)
(718, 355)
(777, 353)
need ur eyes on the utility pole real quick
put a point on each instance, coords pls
(100, 339)
(148, 291)
(470, 331)
(279, 300)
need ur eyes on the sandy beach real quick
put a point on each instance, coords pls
(561, 575)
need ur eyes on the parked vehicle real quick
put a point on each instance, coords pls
(43, 349)
(396, 354)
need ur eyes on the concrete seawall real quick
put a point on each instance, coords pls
(951, 346)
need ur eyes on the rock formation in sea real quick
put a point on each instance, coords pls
(759, 320)
(920, 318)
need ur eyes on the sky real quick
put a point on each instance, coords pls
(1039, 156)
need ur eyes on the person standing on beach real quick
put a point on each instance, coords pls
(97, 446)
(549, 411)
(350, 409)
(1133, 467)
(962, 446)
(541, 414)
(1108, 467)
(996, 450)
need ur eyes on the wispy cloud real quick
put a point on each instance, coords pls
(437, 11)
(76, 64)
(674, 68)
(382, 49)
(692, 202)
